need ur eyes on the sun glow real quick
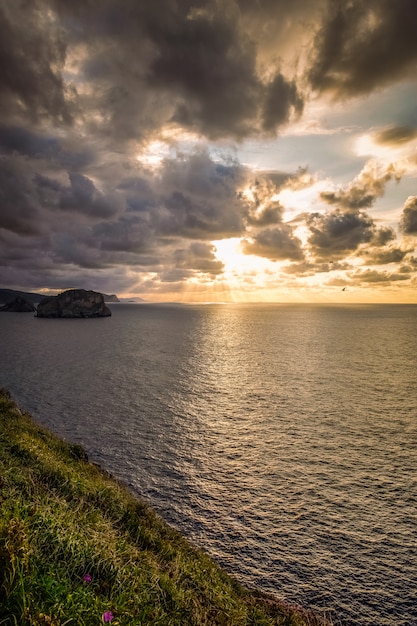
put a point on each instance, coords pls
(228, 251)
(153, 153)
(236, 263)
(246, 276)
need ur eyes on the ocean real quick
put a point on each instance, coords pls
(282, 439)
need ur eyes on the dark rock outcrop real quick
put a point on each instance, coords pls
(18, 305)
(74, 303)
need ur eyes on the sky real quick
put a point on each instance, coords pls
(210, 151)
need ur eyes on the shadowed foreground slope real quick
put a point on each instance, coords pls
(77, 548)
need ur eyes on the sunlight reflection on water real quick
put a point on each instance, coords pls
(282, 439)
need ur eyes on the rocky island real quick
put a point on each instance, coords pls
(74, 303)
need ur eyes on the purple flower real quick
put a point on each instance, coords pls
(87, 578)
(107, 616)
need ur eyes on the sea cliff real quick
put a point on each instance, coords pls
(76, 547)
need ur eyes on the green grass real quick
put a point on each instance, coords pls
(62, 518)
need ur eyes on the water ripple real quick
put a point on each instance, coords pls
(282, 439)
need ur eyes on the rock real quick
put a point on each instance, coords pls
(110, 298)
(74, 303)
(18, 305)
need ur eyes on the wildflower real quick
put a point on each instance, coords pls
(87, 578)
(107, 616)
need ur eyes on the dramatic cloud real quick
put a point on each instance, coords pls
(198, 198)
(363, 45)
(270, 213)
(276, 244)
(19, 206)
(383, 236)
(365, 189)
(396, 135)
(32, 58)
(282, 97)
(183, 63)
(142, 223)
(372, 276)
(151, 147)
(384, 257)
(408, 221)
(338, 233)
(198, 256)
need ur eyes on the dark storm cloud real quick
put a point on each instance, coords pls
(130, 234)
(68, 250)
(408, 222)
(198, 256)
(364, 190)
(276, 244)
(71, 220)
(69, 153)
(210, 68)
(23, 141)
(32, 55)
(340, 233)
(138, 192)
(191, 63)
(382, 236)
(19, 210)
(396, 135)
(384, 256)
(270, 214)
(197, 198)
(363, 45)
(80, 196)
(337, 233)
(282, 97)
(84, 84)
(83, 196)
(127, 69)
(17, 250)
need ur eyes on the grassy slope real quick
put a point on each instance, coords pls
(62, 518)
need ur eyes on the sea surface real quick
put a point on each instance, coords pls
(280, 438)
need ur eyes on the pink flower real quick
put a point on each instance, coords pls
(87, 578)
(107, 616)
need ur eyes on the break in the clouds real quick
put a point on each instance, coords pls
(125, 137)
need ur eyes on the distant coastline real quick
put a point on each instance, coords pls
(9, 294)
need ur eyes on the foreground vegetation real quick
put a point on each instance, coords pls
(77, 548)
